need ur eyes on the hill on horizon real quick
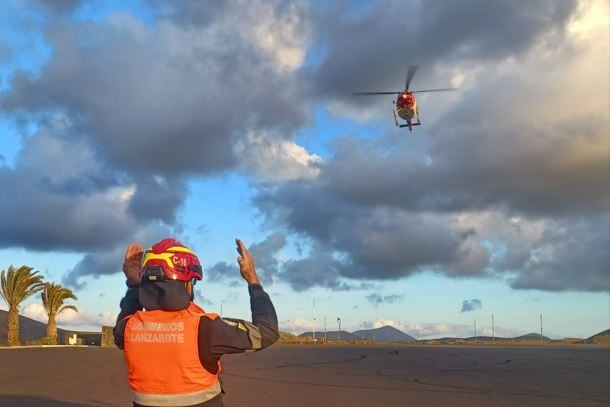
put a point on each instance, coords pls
(385, 333)
(330, 335)
(600, 337)
(29, 329)
(531, 336)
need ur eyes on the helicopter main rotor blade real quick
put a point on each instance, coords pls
(375, 93)
(434, 90)
(410, 74)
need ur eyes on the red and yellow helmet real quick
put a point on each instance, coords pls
(170, 260)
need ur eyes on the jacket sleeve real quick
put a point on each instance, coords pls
(129, 305)
(229, 335)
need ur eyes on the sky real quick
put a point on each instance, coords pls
(125, 121)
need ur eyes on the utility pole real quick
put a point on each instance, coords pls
(339, 333)
(221, 310)
(541, 332)
(324, 328)
(313, 317)
(493, 330)
(475, 330)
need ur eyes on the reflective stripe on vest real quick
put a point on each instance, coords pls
(162, 355)
(187, 399)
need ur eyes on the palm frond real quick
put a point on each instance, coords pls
(17, 284)
(53, 298)
(66, 307)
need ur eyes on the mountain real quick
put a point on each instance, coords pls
(601, 337)
(531, 337)
(385, 334)
(29, 329)
(331, 335)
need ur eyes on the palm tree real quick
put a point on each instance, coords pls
(53, 297)
(16, 285)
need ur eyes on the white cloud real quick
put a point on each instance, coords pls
(297, 326)
(276, 160)
(281, 37)
(70, 318)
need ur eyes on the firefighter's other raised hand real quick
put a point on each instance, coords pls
(131, 264)
(246, 263)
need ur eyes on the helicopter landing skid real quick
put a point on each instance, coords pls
(409, 125)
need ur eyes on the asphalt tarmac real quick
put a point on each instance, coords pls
(381, 375)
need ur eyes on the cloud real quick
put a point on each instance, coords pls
(378, 299)
(110, 261)
(66, 200)
(264, 254)
(297, 326)
(70, 318)
(200, 299)
(569, 254)
(216, 87)
(115, 146)
(388, 207)
(370, 50)
(379, 323)
(273, 160)
(471, 305)
(319, 269)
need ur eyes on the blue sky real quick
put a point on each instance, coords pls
(123, 121)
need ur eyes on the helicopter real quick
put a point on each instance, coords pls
(405, 106)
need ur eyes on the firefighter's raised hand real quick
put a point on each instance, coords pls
(246, 263)
(131, 264)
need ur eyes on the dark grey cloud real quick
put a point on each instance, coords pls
(148, 106)
(221, 271)
(569, 254)
(389, 206)
(99, 262)
(264, 255)
(319, 269)
(58, 196)
(378, 299)
(371, 50)
(142, 109)
(471, 305)
(93, 265)
(163, 99)
(158, 197)
(265, 260)
(366, 242)
(467, 168)
(201, 299)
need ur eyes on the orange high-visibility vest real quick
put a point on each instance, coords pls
(162, 355)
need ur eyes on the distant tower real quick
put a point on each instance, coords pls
(324, 328)
(339, 333)
(313, 317)
(475, 329)
(493, 330)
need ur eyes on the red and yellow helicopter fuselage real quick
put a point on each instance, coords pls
(406, 106)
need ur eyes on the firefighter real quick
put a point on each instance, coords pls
(172, 347)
